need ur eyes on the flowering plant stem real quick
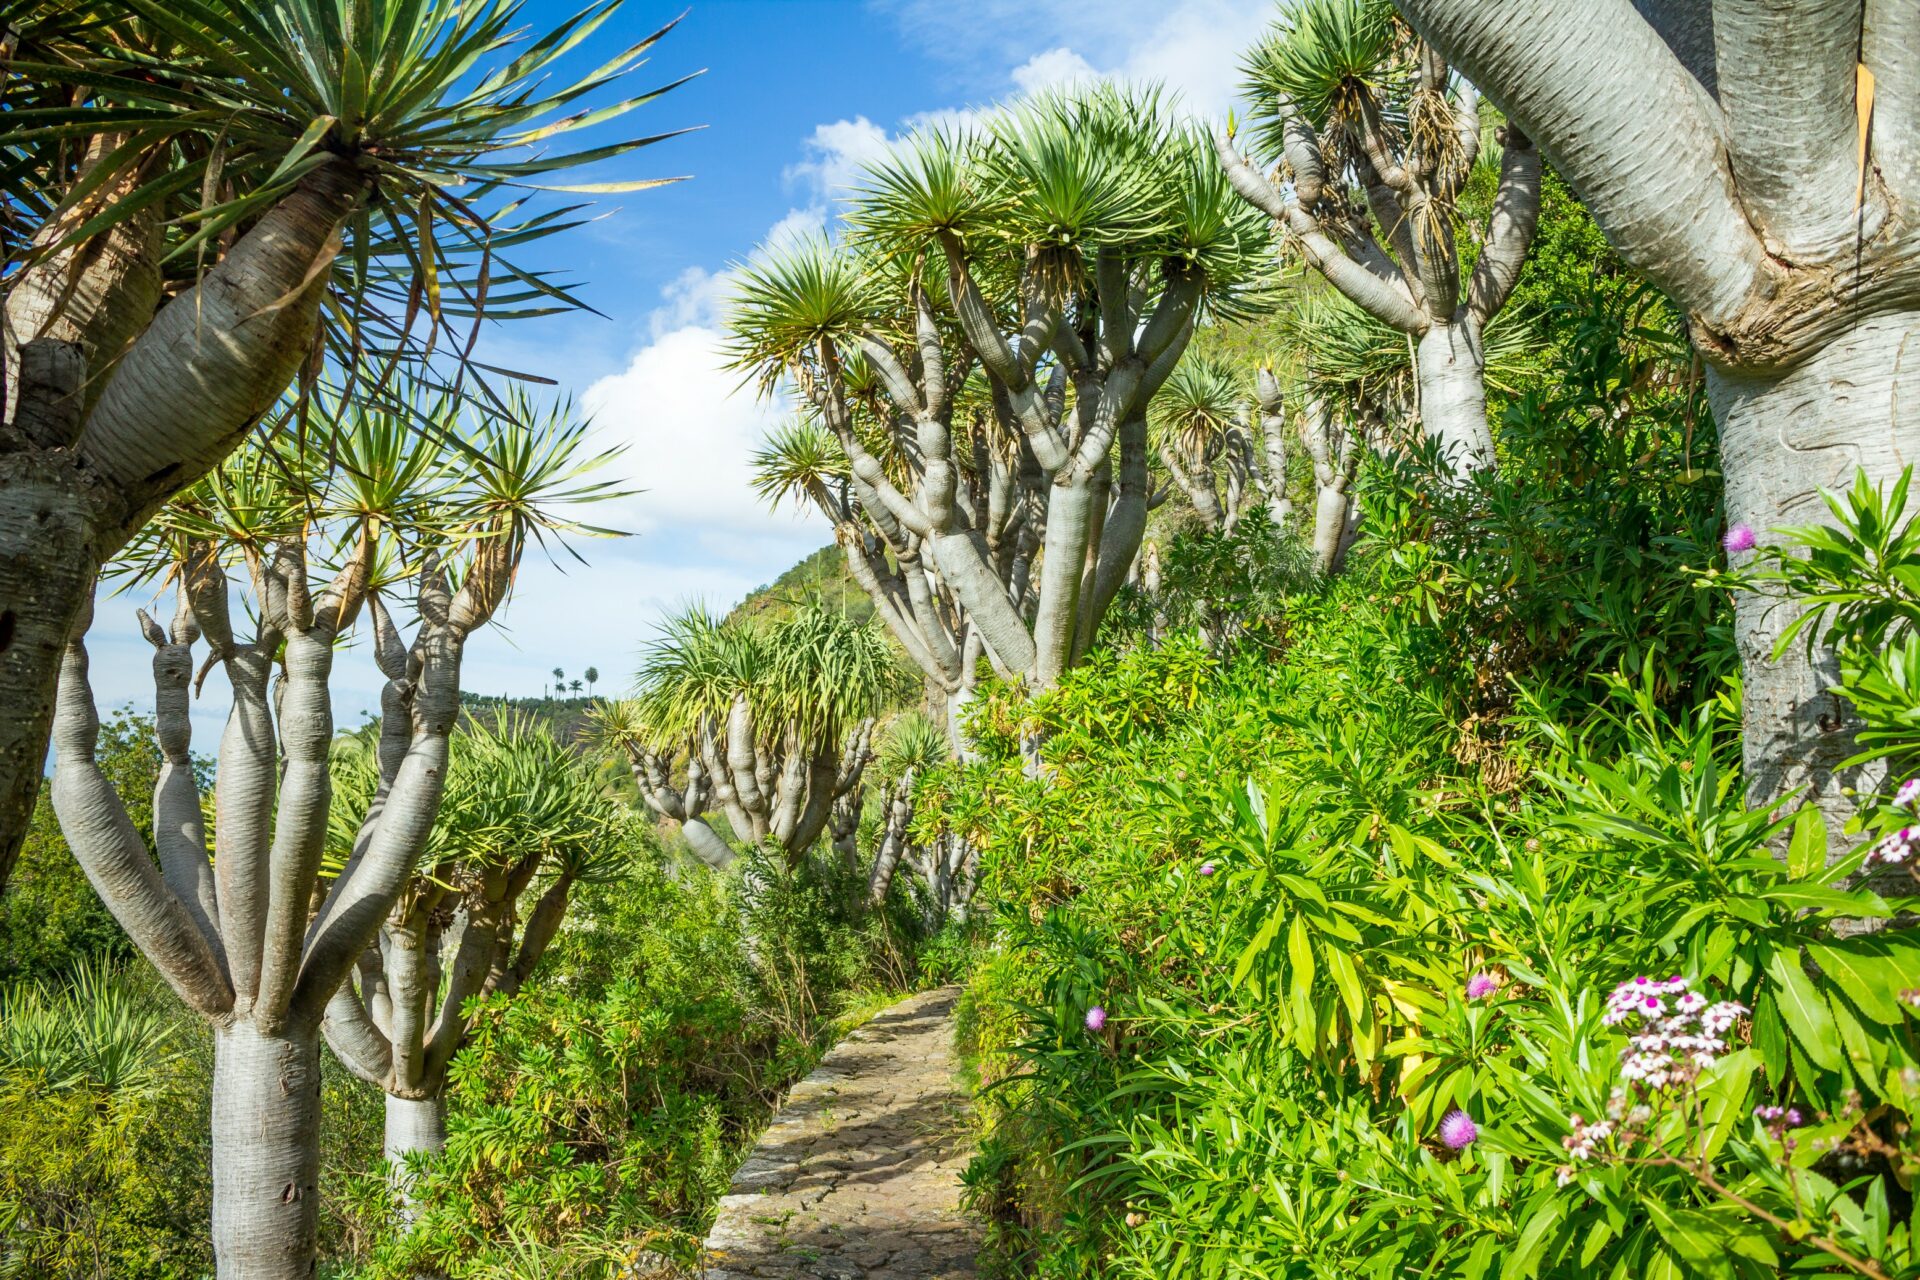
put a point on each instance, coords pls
(1703, 1171)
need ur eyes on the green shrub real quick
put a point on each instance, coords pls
(1363, 925)
(103, 1143)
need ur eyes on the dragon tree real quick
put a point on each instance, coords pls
(984, 349)
(207, 204)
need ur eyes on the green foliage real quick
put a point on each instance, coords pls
(513, 791)
(598, 1115)
(98, 1175)
(1503, 748)
(1231, 588)
(1277, 887)
(1198, 404)
(819, 578)
(912, 740)
(814, 668)
(1580, 557)
(598, 1112)
(1324, 59)
(1858, 580)
(92, 1034)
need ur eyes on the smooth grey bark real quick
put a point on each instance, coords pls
(414, 1125)
(266, 1152)
(1273, 442)
(1195, 478)
(1396, 258)
(1740, 192)
(1336, 456)
(894, 839)
(1782, 440)
(1452, 367)
(159, 398)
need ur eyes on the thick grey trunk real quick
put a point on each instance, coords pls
(957, 703)
(1062, 565)
(48, 550)
(266, 1153)
(1330, 527)
(1453, 394)
(415, 1124)
(1782, 439)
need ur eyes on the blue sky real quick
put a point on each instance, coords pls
(796, 95)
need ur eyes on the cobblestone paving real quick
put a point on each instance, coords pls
(858, 1177)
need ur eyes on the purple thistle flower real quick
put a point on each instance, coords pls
(1739, 538)
(1458, 1129)
(1482, 985)
(1096, 1018)
(1207, 868)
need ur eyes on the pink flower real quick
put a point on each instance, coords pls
(1895, 848)
(1457, 1129)
(1096, 1018)
(1207, 868)
(1909, 792)
(1482, 985)
(1739, 538)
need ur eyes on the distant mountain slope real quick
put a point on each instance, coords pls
(822, 574)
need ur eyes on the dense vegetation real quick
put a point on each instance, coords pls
(1305, 966)
(1390, 678)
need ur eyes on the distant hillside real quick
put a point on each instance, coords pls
(822, 574)
(565, 717)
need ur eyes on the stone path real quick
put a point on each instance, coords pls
(858, 1177)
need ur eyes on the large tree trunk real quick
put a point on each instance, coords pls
(47, 552)
(1329, 528)
(266, 1153)
(1062, 565)
(1791, 248)
(1783, 438)
(415, 1124)
(205, 369)
(1453, 393)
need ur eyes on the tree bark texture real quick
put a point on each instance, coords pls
(266, 1152)
(1855, 405)
(1452, 367)
(415, 1125)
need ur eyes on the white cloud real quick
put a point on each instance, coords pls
(1191, 46)
(1052, 69)
(797, 227)
(836, 154)
(689, 428)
